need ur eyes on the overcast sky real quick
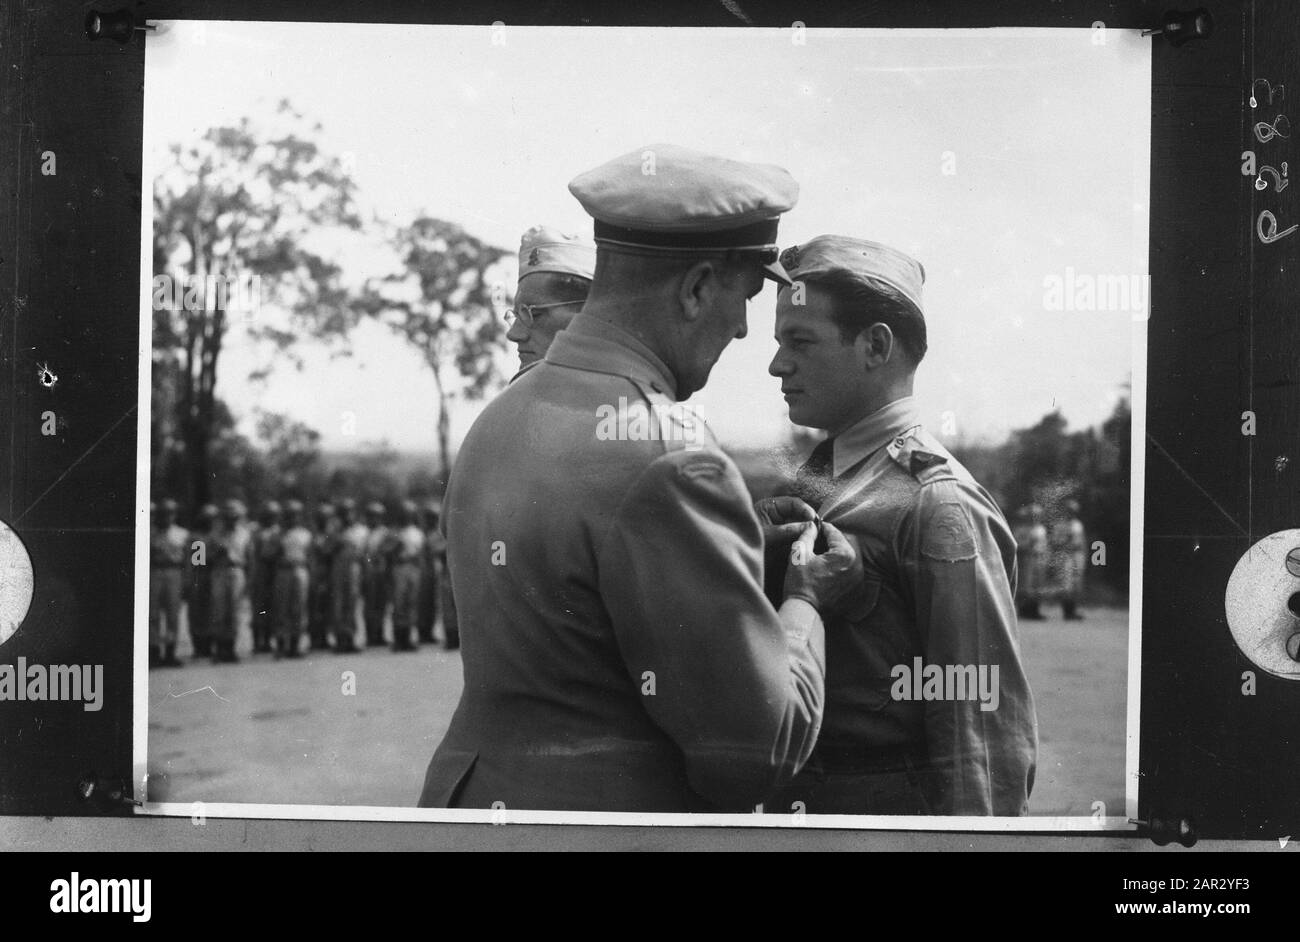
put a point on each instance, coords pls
(1047, 130)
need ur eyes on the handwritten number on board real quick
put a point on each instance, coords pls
(1280, 181)
(1279, 128)
(1271, 91)
(1266, 228)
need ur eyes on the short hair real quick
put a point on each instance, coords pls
(580, 286)
(860, 301)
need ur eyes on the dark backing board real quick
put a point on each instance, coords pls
(1224, 339)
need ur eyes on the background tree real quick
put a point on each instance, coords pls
(446, 303)
(283, 459)
(242, 201)
(369, 474)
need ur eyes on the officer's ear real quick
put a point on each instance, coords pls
(875, 346)
(698, 288)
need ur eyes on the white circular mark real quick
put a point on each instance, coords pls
(15, 582)
(1259, 616)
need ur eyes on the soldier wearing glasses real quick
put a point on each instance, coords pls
(555, 271)
(554, 277)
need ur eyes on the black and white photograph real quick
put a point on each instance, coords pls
(642, 424)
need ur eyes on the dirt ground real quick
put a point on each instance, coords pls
(274, 732)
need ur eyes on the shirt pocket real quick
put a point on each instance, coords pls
(876, 641)
(861, 601)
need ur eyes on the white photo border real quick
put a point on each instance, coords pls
(365, 813)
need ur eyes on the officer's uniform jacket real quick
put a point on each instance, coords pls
(940, 567)
(619, 654)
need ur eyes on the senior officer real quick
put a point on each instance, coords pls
(554, 277)
(619, 653)
(939, 559)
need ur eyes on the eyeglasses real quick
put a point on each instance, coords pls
(528, 312)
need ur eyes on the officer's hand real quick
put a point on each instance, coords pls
(783, 519)
(822, 579)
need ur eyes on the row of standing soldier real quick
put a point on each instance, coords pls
(1051, 561)
(301, 578)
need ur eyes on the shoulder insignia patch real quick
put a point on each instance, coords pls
(949, 535)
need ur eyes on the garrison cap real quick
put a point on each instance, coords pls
(860, 257)
(672, 199)
(543, 249)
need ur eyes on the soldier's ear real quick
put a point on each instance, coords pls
(696, 288)
(875, 345)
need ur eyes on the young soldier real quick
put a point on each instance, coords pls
(939, 560)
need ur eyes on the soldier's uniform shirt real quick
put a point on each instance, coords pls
(1032, 555)
(168, 549)
(295, 547)
(376, 586)
(430, 560)
(939, 574)
(324, 543)
(231, 555)
(291, 583)
(346, 573)
(407, 552)
(1071, 551)
(351, 549)
(622, 657)
(376, 541)
(266, 548)
(199, 609)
